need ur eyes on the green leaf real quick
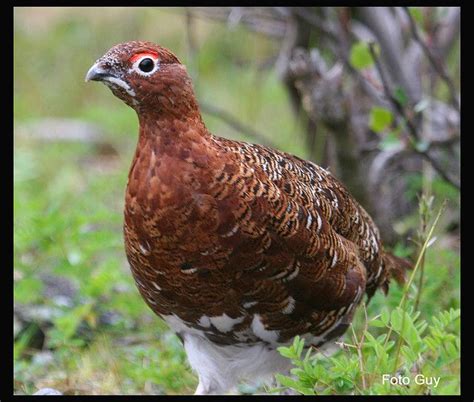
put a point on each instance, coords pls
(417, 15)
(297, 372)
(380, 118)
(298, 344)
(452, 351)
(409, 354)
(294, 384)
(370, 338)
(396, 320)
(379, 350)
(389, 345)
(286, 352)
(360, 56)
(401, 96)
(377, 323)
(385, 316)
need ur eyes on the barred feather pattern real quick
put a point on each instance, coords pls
(261, 234)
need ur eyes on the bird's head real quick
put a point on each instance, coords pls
(147, 77)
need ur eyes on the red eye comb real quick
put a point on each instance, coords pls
(150, 53)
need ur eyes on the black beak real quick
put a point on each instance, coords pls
(100, 73)
(97, 73)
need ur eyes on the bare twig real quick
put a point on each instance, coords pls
(339, 49)
(382, 22)
(388, 93)
(265, 20)
(437, 65)
(190, 34)
(191, 44)
(439, 169)
(316, 21)
(233, 122)
(412, 131)
(418, 263)
(448, 31)
(359, 344)
(425, 211)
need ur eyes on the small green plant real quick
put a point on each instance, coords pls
(395, 352)
(425, 362)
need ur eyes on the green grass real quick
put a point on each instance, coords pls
(68, 197)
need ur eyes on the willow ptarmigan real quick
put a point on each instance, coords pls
(238, 247)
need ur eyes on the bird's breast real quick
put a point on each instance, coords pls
(171, 221)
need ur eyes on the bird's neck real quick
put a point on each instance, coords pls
(172, 129)
(170, 119)
(173, 138)
(166, 150)
(169, 100)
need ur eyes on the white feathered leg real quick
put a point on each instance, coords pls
(220, 368)
(205, 388)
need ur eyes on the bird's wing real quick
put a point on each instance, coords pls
(301, 248)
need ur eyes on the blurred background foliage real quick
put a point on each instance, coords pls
(80, 325)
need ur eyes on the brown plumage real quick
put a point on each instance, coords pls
(239, 247)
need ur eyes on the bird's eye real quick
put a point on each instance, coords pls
(146, 65)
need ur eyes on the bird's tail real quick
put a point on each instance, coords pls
(395, 267)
